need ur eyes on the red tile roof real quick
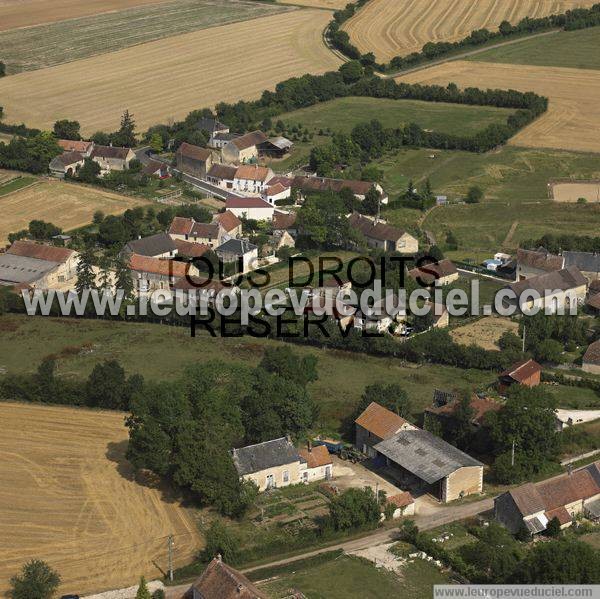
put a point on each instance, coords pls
(70, 145)
(541, 260)
(560, 514)
(30, 249)
(189, 249)
(228, 220)
(181, 226)
(247, 203)
(220, 581)
(317, 456)
(194, 152)
(113, 152)
(594, 301)
(252, 172)
(442, 269)
(480, 406)
(592, 354)
(167, 268)
(249, 139)
(521, 371)
(273, 190)
(401, 499)
(375, 230)
(380, 421)
(568, 488)
(281, 220)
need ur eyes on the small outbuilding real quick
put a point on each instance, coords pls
(527, 373)
(591, 358)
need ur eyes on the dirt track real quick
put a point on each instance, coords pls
(390, 28)
(168, 78)
(67, 496)
(573, 118)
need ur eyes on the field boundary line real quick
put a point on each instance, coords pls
(6, 195)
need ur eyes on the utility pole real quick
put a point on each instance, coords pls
(170, 546)
(524, 332)
(512, 455)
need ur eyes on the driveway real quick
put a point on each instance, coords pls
(347, 475)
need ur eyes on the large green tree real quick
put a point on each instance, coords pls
(37, 580)
(65, 129)
(392, 396)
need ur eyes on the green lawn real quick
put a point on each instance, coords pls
(15, 184)
(354, 578)
(575, 49)
(161, 352)
(514, 181)
(342, 114)
(41, 46)
(575, 398)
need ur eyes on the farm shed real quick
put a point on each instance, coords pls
(527, 373)
(275, 147)
(193, 160)
(422, 460)
(220, 581)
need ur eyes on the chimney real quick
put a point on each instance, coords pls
(309, 445)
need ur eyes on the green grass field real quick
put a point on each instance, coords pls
(161, 352)
(342, 114)
(354, 578)
(514, 181)
(46, 45)
(15, 184)
(575, 49)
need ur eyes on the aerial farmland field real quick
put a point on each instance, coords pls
(66, 41)
(390, 28)
(68, 496)
(24, 13)
(573, 116)
(66, 205)
(167, 78)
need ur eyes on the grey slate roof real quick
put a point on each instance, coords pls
(239, 247)
(155, 245)
(557, 280)
(425, 455)
(584, 261)
(210, 125)
(22, 269)
(270, 454)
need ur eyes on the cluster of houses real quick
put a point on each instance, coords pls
(109, 158)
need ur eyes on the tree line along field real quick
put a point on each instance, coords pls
(391, 28)
(342, 114)
(66, 205)
(163, 352)
(65, 41)
(24, 13)
(328, 4)
(69, 497)
(167, 78)
(573, 116)
(572, 49)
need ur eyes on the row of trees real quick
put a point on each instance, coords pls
(557, 243)
(31, 154)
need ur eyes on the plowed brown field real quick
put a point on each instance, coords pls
(24, 13)
(67, 496)
(390, 28)
(573, 118)
(166, 79)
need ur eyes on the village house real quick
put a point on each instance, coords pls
(383, 236)
(66, 164)
(376, 424)
(306, 185)
(318, 464)
(221, 175)
(112, 158)
(527, 373)
(220, 139)
(155, 246)
(250, 208)
(84, 148)
(155, 168)
(276, 242)
(593, 302)
(229, 222)
(220, 581)
(269, 465)
(533, 263)
(241, 251)
(275, 147)
(193, 160)
(211, 126)
(244, 148)
(187, 229)
(441, 273)
(157, 274)
(588, 263)
(252, 179)
(189, 249)
(403, 503)
(381, 315)
(591, 359)
(39, 266)
(285, 222)
(275, 192)
(533, 505)
(556, 291)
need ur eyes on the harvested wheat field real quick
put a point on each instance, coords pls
(391, 28)
(166, 79)
(573, 117)
(66, 205)
(68, 497)
(24, 13)
(330, 4)
(573, 191)
(485, 332)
